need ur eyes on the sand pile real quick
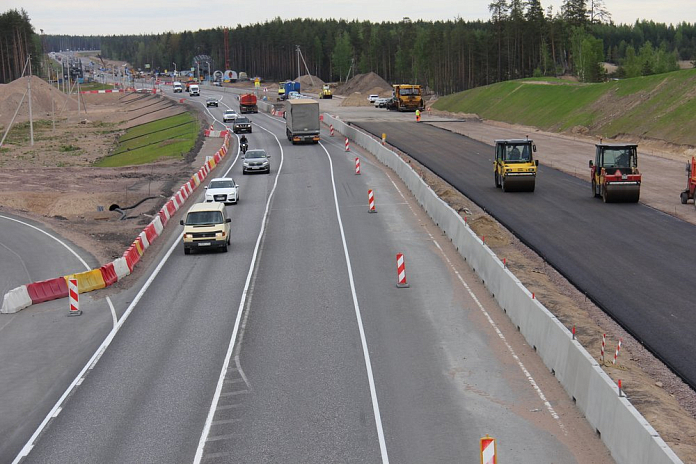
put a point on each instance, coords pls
(306, 82)
(364, 83)
(41, 95)
(360, 98)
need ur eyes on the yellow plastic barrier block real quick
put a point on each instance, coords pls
(87, 281)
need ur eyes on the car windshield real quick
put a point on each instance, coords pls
(200, 218)
(221, 184)
(242, 120)
(518, 153)
(256, 154)
(230, 112)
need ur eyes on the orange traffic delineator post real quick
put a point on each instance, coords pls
(371, 202)
(488, 450)
(401, 271)
(347, 145)
(604, 342)
(616, 354)
(74, 297)
(357, 166)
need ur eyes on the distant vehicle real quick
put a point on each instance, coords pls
(256, 160)
(194, 90)
(302, 120)
(247, 103)
(222, 189)
(372, 98)
(229, 115)
(211, 102)
(241, 124)
(381, 102)
(206, 226)
(515, 168)
(292, 95)
(217, 83)
(288, 88)
(406, 97)
(325, 92)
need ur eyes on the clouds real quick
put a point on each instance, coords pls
(72, 17)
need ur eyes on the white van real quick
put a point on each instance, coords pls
(178, 88)
(194, 90)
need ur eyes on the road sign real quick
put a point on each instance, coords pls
(488, 450)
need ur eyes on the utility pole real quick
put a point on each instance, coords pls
(31, 119)
(297, 49)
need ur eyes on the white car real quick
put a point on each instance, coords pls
(229, 115)
(223, 190)
(372, 98)
(381, 102)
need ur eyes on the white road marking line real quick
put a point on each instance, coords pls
(108, 300)
(24, 265)
(526, 373)
(107, 341)
(363, 340)
(216, 397)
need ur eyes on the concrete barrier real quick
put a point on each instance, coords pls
(15, 300)
(625, 432)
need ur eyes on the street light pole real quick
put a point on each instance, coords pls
(208, 63)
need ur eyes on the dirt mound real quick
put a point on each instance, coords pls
(364, 83)
(42, 95)
(360, 98)
(306, 82)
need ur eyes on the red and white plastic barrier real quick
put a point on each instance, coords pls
(371, 202)
(357, 166)
(347, 144)
(16, 300)
(74, 296)
(488, 450)
(401, 271)
(616, 354)
(604, 343)
(331, 130)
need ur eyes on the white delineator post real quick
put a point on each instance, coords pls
(371, 202)
(347, 145)
(74, 298)
(488, 450)
(616, 355)
(604, 343)
(357, 166)
(401, 271)
(331, 130)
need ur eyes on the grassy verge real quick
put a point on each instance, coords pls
(660, 106)
(173, 137)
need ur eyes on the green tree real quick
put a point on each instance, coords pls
(342, 55)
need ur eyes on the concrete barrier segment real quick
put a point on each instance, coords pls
(16, 300)
(47, 290)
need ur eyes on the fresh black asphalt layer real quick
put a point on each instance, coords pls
(634, 262)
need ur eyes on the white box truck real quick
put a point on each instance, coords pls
(302, 120)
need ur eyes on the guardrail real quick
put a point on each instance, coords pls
(626, 433)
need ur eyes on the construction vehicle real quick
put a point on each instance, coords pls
(406, 97)
(302, 120)
(325, 91)
(247, 103)
(515, 167)
(287, 87)
(688, 194)
(281, 90)
(615, 175)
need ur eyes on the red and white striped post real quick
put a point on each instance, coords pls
(488, 450)
(616, 355)
(604, 343)
(347, 144)
(74, 297)
(357, 166)
(331, 130)
(371, 202)
(401, 271)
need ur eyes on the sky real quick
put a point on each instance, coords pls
(89, 17)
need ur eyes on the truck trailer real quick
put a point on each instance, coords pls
(302, 120)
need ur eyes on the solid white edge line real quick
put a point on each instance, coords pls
(108, 300)
(223, 372)
(363, 339)
(97, 354)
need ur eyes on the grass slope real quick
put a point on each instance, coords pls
(658, 107)
(168, 137)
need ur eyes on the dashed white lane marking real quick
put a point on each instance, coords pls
(363, 339)
(519, 362)
(108, 300)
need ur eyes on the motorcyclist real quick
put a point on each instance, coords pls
(243, 143)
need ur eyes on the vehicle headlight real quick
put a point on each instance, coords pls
(188, 235)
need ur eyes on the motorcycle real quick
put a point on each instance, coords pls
(244, 146)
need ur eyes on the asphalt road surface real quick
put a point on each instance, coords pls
(635, 262)
(326, 360)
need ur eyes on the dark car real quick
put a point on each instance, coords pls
(241, 124)
(211, 102)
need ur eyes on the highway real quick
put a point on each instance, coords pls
(630, 259)
(297, 346)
